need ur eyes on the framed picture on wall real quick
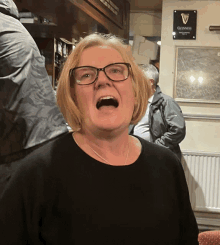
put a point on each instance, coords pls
(197, 74)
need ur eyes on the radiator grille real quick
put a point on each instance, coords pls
(202, 171)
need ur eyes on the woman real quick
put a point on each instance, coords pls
(99, 185)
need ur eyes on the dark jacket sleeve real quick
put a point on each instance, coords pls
(176, 129)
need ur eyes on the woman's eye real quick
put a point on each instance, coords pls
(115, 70)
(85, 76)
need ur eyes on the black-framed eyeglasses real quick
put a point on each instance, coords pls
(85, 75)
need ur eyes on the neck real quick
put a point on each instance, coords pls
(110, 150)
(108, 142)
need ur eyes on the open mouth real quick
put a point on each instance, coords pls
(107, 101)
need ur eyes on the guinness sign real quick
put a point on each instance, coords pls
(184, 24)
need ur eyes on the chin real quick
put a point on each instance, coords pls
(107, 122)
(112, 126)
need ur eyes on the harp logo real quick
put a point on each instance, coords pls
(185, 18)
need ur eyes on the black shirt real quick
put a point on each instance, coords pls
(60, 195)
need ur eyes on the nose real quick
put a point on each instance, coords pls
(102, 79)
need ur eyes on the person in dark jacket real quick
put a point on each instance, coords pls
(29, 115)
(163, 122)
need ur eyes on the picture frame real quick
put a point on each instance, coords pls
(197, 74)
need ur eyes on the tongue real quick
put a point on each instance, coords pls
(107, 107)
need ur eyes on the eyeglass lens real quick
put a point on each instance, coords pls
(87, 75)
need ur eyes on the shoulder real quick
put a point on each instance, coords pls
(163, 99)
(160, 152)
(169, 102)
(46, 155)
(9, 8)
(158, 156)
(161, 163)
(42, 168)
(168, 98)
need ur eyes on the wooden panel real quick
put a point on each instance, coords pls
(77, 18)
(41, 30)
(98, 17)
(112, 9)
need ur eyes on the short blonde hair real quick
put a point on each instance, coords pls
(140, 85)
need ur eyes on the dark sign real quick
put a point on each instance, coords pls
(184, 24)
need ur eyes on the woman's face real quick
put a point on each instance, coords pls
(103, 92)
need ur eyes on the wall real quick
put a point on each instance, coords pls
(144, 24)
(143, 50)
(203, 134)
(201, 147)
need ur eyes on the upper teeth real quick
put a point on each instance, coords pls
(107, 98)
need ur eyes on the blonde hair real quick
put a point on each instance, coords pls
(140, 85)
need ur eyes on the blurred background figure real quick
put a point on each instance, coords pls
(163, 122)
(29, 115)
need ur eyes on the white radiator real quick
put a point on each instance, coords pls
(202, 171)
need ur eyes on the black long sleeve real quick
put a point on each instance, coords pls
(60, 195)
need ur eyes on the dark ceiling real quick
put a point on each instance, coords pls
(146, 5)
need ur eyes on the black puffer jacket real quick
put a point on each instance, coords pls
(167, 125)
(166, 122)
